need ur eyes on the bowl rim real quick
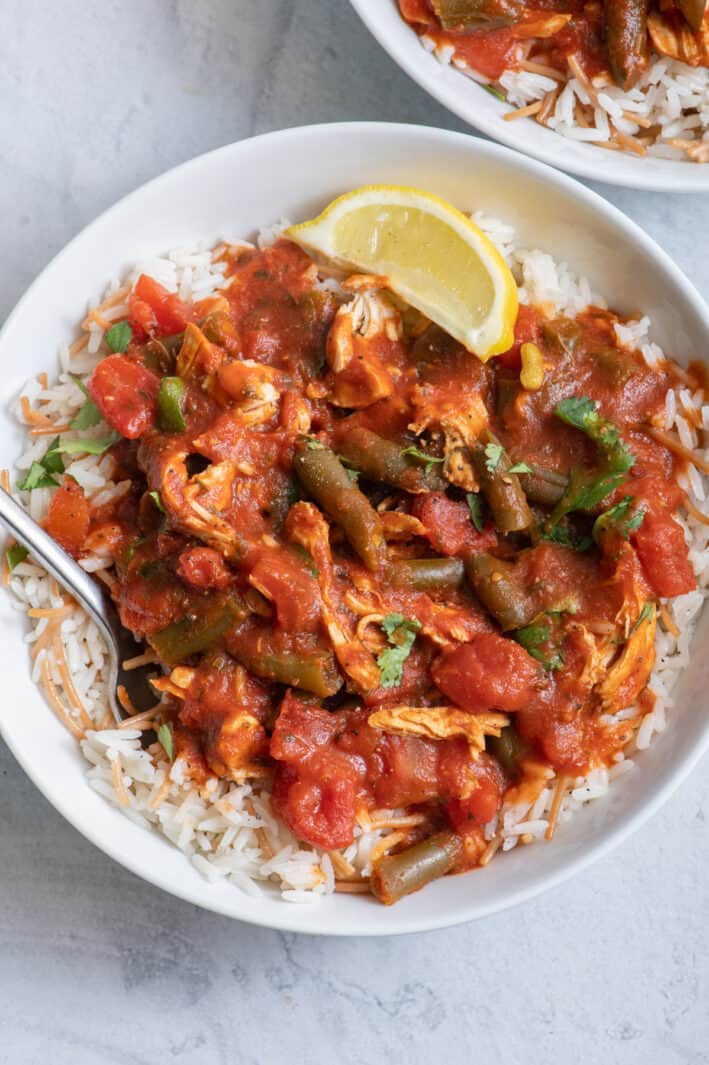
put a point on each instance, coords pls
(291, 917)
(613, 168)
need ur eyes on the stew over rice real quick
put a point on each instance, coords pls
(375, 569)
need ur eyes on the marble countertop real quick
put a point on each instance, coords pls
(97, 967)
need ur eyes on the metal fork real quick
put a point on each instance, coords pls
(95, 600)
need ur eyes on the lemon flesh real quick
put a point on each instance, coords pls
(431, 254)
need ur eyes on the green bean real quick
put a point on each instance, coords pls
(501, 488)
(508, 749)
(312, 671)
(384, 460)
(325, 478)
(315, 672)
(498, 588)
(544, 486)
(200, 629)
(475, 14)
(626, 38)
(410, 870)
(427, 574)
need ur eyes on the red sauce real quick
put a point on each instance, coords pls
(288, 643)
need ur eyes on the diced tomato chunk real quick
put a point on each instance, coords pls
(125, 392)
(417, 11)
(527, 330)
(69, 516)
(449, 525)
(663, 552)
(153, 311)
(490, 673)
(285, 579)
(315, 788)
(483, 803)
(203, 567)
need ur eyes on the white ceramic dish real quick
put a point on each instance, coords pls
(229, 193)
(484, 112)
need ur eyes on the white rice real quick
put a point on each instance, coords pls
(227, 830)
(670, 94)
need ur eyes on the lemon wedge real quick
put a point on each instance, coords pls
(432, 255)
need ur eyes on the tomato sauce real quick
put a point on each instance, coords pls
(358, 679)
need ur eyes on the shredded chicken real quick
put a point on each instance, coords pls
(461, 424)
(307, 527)
(440, 723)
(353, 344)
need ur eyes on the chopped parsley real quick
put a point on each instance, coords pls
(118, 337)
(166, 741)
(429, 461)
(14, 555)
(493, 454)
(475, 506)
(520, 467)
(401, 633)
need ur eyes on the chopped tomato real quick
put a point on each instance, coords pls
(490, 673)
(69, 516)
(417, 11)
(449, 525)
(484, 801)
(125, 392)
(286, 580)
(203, 567)
(315, 788)
(490, 52)
(663, 552)
(153, 311)
(527, 330)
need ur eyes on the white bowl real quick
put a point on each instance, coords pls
(229, 193)
(483, 111)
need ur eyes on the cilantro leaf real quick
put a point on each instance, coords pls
(14, 555)
(563, 535)
(493, 454)
(52, 460)
(155, 496)
(37, 477)
(118, 337)
(620, 517)
(588, 487)
(166, 741)
(422, 456)
(89, 446)
(647, 611)
(401, 634)
(475, 506)
(532, 638)
(352, 474)
(89, 415)
(520, 467)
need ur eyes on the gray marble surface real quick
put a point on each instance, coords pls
(98, 967)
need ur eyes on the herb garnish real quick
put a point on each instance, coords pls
(620, 517)
(422, 456)
(588, 487)
(532, 638)
(41, 474)
(493, 454)
(89, 415)
(118, 337)
(475, 506)
(166, 741)
(14, 555)
(401, 634)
